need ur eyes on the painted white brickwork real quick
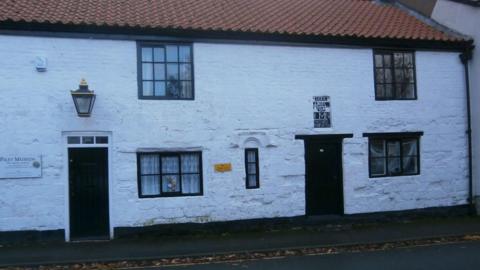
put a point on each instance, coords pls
(240, 91)
(465, 18)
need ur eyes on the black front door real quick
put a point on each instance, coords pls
(324, 183)
(88, 182)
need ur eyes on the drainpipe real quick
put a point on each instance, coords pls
(465, 57)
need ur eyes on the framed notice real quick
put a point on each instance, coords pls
(322, 115)
(20, 166)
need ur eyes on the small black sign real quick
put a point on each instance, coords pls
(321, 112)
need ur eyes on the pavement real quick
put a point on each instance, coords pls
(463, 256)
(150, 248)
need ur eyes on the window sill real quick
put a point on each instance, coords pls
(170, 195)
(163, 98)
(395, 99)
(391, 176)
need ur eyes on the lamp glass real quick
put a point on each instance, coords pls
(83, 104)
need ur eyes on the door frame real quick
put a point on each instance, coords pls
(66, 173)
(324, 138)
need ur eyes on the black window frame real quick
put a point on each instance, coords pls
(257, 169)
(392, 52)
(159, 44)
(169, 154)
(389, 137)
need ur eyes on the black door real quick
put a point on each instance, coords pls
(324, 183)
(88, 181)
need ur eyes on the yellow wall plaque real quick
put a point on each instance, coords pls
(223, 167)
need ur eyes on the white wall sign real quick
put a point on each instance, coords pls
(20, 166)
(322, 117)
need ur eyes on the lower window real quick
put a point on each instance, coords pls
(251, 168)
(169, 174)
(394, 156)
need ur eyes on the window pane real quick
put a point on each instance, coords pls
(190, 163)
(160, 89)
(148, 88)
(379, 75)
(405, 90)
(159, 55)
(398, 60)
(149, 164)
(159, 71)
(410, 165)
(409, 91)
(408, 60)
(389, 93)
(252, 180)
(399, 76)
(150, 185)
(172, 71)
(147, 71)
(409, 147)
(410, 75)
(251, 157)
(380, 91)
(252, 168)
(185, 71)
(378, 60)
(388, 75)
(393, 149)
(186, 89)
(185, 54)
(394, 166)
(377, 148)
(173, 88)
(398, 90)
(190, 183)
(147, 54)
(170, 164)
(378, 166)
(387, 58)
(101, 139)
(171, 183)
(172, 53)
(73, 140)
(87, 139)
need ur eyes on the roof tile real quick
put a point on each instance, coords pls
(343, 18)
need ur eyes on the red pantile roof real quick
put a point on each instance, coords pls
(324, 18)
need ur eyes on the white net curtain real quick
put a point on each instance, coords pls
(174, 173)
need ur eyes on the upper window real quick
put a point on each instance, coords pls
(165, 71)
(169, 174)
(395, 75)
(394, 155)
(251, 168)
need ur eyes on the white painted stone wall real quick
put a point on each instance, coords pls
(240, 90)
(466, 19)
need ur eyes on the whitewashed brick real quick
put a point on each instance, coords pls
(238, 89)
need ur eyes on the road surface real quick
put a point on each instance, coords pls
(462, 256)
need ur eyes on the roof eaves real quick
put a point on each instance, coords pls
(142, 32)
